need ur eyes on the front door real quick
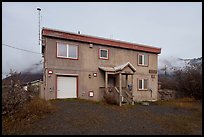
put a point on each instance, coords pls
(111, 81)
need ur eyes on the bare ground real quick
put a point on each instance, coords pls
(82, 117)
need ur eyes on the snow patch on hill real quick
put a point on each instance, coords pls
(173, 63)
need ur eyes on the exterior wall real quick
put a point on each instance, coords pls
(88, 62)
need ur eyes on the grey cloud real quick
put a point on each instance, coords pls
(175, 27)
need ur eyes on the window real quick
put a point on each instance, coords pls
(103, 53)
(67, 51)
(142, 84)
(143, 59)
(72, 51)
(62, 50)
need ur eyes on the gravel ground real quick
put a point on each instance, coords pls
(87, 118)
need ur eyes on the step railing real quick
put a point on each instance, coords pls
(128, 96)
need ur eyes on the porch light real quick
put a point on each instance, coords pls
(90, 45)
(91, 93)
(49, 71)
(95, 74)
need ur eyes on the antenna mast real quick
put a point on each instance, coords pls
(39, 25)
(165, 71)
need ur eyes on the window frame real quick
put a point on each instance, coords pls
(143, 79)
(99, 56)
(67, 45)
(143, 60)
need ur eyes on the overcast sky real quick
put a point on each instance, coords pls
(174, 27)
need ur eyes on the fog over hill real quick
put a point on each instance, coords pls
(173, 63)
(34, 69)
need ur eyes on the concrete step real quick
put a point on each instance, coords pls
(145, 103)
(124, 103)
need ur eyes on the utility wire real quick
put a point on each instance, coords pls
(4, 73)
(21, 49)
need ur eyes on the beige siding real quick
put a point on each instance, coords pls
(88, 63)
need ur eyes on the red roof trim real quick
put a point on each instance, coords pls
(97, 40)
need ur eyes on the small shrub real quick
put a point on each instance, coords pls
(14, 96)
(189, 81)
(12, 101)
(110, 99)
(186, 81)
(35, 109)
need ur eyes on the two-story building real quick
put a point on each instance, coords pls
(89, 67)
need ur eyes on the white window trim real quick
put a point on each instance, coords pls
(103, 57)
(142, 84)
(143, 60)
(58, 50)
(67, 51)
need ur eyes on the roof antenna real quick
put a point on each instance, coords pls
(39, 9)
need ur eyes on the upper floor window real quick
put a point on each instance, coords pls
(142, 84)
(103, 53)
(67, 51)
(143, 59)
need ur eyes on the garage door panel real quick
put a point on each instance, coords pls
(66, 87)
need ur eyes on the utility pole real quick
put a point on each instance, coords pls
(39, 9)
(165, 71)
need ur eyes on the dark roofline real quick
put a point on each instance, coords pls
(98, 40)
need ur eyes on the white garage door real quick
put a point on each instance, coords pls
(66, 87)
